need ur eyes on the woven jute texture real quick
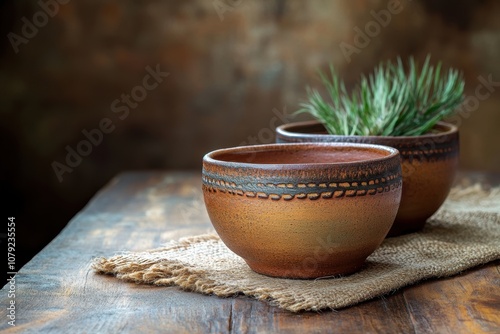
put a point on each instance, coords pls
(464, 233)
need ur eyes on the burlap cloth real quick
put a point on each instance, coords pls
(464, 233)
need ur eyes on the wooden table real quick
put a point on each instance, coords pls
(58, 292)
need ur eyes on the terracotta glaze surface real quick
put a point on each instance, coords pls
(303, 210)
(429, 165)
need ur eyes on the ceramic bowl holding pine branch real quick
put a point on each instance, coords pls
(399, 106)
(303, 210)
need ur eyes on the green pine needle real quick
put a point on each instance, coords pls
(389, 102)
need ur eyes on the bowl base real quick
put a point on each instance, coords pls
(296, 272)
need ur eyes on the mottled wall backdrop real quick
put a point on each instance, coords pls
(91, 88)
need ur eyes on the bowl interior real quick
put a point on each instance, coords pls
(288, 154)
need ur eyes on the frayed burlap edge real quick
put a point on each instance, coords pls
(297, 295)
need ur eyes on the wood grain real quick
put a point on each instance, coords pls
(57, 292)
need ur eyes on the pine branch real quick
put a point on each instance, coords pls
(389, 102)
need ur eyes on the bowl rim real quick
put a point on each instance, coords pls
(284, 131)
(210, 158)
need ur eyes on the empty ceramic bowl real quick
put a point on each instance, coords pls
(303, 210)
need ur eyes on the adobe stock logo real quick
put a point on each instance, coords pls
(49, 8)
(222, 6)
(121, 107)
(372, 29)
(483, 91)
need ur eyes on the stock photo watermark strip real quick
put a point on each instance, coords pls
(9, 239)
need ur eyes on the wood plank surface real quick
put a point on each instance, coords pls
(57, 292)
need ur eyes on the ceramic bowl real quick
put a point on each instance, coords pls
(303, 210)
(429, 165)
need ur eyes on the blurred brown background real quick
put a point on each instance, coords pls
(236, 69)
